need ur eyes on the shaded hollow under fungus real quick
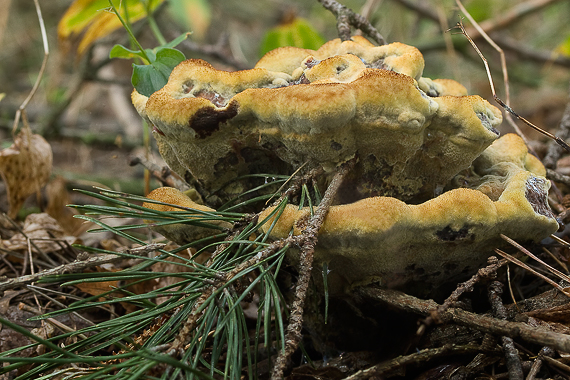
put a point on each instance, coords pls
(429, 194)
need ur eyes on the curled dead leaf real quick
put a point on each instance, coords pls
(25, 167)
(43, 230)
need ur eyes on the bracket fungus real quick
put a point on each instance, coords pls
(429, 194)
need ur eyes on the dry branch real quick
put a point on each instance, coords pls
(384, 368)
(484, 323)
(511, 354)
(504, 105)
(467, 286)
(309, 241)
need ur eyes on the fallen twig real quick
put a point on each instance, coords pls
(528, 268)
(545, 351)
(557, 177)
(386, 367)
(512, 358)
(551, 269)
(484, 323)
(309, 241)
(467, 286)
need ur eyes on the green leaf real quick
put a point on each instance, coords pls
(298, 33)
(119, 51)
(148, 79)
(175, 42)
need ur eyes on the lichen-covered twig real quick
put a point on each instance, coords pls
(345, 18)
(77, 266)
(511, 354)
(308, 243)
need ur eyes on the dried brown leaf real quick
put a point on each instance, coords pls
(25, 167)
(43, 230)
(96, 288)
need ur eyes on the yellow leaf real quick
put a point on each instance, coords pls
(79, 15)
(564, 47)
(94, 19)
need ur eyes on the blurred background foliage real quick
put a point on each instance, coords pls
(83, 102)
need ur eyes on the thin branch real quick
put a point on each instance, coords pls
(501, 21)
(345, 18)
(512, 358)
(387, 367)
(557, 177)
(484, 323)
(310, 237)
(552, 270)
(488, 272)
(77, 266)
(545, 351)
(505, 106)
(503, 67)
(528, 268)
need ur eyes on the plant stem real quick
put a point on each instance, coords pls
(128, 29)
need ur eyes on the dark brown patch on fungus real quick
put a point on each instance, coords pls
(449, 234)
(207, 120)
(335, 145)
